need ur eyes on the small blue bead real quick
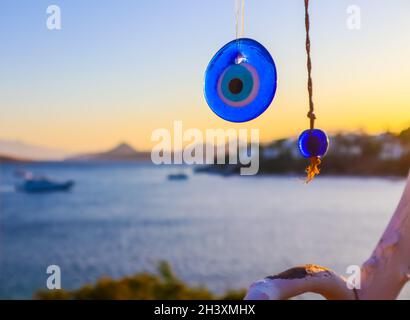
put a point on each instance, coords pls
(313, 143)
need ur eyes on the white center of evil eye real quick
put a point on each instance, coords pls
(238, 85)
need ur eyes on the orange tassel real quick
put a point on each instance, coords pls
(313, 168)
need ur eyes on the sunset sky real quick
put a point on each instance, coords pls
(120, 69)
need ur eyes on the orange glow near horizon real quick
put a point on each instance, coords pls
(101, 133)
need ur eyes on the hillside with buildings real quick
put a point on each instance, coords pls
(386, 154)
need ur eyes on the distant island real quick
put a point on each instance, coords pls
(122, 152)
(360, 154)
(12, 150)
(8, 159)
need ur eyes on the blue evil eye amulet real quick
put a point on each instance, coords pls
(240, 81)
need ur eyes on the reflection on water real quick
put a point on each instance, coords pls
(221, 232)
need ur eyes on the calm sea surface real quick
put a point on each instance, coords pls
(220, 232)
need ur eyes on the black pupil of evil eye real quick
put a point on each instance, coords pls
(235, 86)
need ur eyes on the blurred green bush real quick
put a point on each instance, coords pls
(164, 285)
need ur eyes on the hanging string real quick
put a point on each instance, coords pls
(311, 114)
(240, 26)
(240, 18)
(313, 168)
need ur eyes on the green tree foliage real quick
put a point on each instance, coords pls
(143, 286)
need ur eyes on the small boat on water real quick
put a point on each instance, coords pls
(34, 184)
(44, 185)
(178, 176)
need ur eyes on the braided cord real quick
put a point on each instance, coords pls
(311, 114)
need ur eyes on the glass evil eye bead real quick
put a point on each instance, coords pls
(313, 143)
(240, 81)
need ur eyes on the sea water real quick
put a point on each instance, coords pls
(220, 232)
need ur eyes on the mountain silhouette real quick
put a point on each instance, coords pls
(121, 152)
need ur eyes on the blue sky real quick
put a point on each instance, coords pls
(119, 69)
